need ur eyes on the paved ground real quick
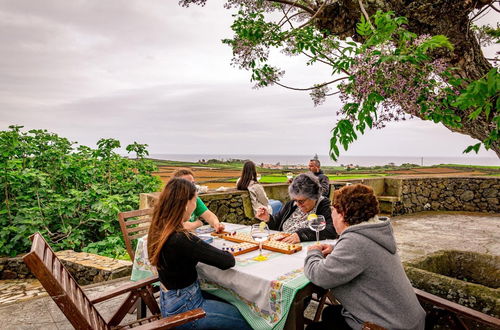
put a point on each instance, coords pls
(416, 235)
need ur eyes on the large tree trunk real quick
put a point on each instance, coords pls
(433, 17)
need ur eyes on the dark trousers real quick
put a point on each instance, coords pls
(331, 318)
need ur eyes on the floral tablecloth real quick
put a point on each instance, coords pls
(262, 291)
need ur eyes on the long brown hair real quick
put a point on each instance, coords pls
(248, 174)
(168, 215)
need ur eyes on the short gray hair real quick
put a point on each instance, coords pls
(305, 184)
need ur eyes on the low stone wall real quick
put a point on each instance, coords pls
(415, 194)
(474, 194)
(233, 206)
(86, 268)
(468, 278)
(397, 196)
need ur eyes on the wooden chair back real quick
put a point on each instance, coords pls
(134, 225)
(61, 286)
(81, 311)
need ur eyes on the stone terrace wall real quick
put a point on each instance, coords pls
(233, 206)
(86, 268)
(407, 195)
(475, 194)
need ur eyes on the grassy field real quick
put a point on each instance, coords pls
(215, 174)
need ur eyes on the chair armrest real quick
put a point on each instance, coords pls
(175, 320)
(456, 308)
(124, 289)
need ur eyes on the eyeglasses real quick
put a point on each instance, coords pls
(301, 201)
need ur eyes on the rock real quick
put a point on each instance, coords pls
(467, 196)
(489, 193)
(9, 275)
(492, 201)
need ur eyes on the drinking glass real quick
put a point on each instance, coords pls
(289, 175)
(259, 177)
(317, 224)
(260, 233)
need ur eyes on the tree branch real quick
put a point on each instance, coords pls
(310, 88)
(320, 9)
(365, 14)
(493, 7)
(293, 4)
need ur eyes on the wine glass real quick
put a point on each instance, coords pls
(259, 177)
(289, 175)
(317, 224)
(260, 233)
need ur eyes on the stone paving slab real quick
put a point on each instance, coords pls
(426, 232)
(43, 313)
(18, 290)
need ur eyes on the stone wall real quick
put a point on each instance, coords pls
(86, 268)
(474, 194)
(233, 206)
(404, 195)
(397, 196)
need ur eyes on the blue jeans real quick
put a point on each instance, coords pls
(275, 205)
(220, 315)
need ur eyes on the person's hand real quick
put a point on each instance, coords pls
(326, 249)
(315, 247)
(262, 214)
(293, 238)
(219, 227)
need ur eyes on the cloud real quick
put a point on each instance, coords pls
(157, 73)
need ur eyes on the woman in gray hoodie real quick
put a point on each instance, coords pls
(364, 270)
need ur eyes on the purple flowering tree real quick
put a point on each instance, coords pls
(390, 60)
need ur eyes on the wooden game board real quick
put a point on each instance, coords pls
(221, 234)
(282, 247)
(239, 237)
(271, 244)
(240, 248)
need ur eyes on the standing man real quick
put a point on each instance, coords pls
(201, 210)
(314, 167)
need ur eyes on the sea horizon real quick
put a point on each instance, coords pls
(343, 160)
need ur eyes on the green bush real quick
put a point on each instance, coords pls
(71, 194)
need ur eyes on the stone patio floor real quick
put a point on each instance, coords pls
(24, 304)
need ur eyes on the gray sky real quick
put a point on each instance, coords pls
(156, 73)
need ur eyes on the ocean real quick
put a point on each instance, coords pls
(343, 160)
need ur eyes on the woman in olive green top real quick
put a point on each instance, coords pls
(201, 210)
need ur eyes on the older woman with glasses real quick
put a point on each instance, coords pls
(306, 199)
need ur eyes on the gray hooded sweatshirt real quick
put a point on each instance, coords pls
(367, 277)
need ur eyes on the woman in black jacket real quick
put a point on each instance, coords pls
(306, 199)
(175, 252)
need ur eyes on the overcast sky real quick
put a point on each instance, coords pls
(156, 73)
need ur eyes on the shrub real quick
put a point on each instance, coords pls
(71, 194)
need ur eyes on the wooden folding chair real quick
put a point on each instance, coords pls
(134, 225)
(80, 310)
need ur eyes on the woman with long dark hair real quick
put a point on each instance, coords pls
(248, 181)
(175, 252)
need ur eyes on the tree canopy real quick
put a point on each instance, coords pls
(389, 60)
